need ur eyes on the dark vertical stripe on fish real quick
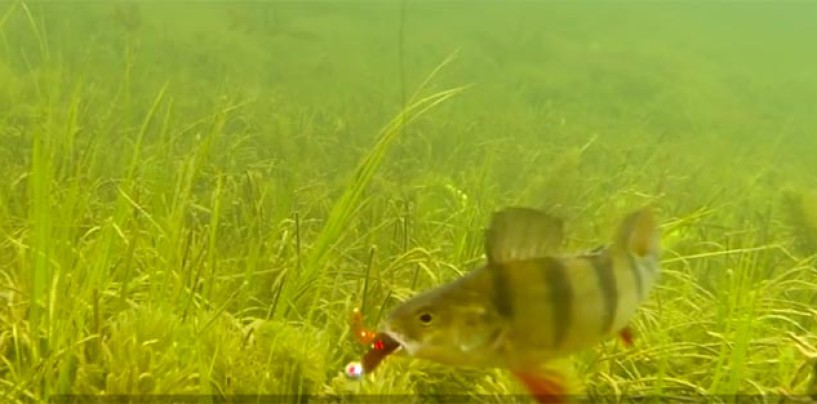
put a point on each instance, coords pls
(561, 296)
(502, 291)
(603, 265)
(636, 270)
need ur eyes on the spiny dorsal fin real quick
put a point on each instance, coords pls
(522, 233)
(638, 233)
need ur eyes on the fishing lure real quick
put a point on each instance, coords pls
(362, 334)
(380, 346)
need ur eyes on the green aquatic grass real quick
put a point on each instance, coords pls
(190, 207)
(344, 208)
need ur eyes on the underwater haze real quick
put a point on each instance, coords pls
(196, 195)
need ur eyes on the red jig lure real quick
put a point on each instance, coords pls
(380, 346)
(363, 335)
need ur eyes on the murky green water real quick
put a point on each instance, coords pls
(187, 206)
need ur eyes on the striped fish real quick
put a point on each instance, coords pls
(528, 304)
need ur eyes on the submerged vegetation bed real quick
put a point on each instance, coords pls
(195, 196)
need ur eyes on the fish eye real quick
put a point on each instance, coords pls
(425, 318)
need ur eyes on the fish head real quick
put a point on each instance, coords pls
(447, 325)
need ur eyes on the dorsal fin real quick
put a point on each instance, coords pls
(522, 233)
(638, 233)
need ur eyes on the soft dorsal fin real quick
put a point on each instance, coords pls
(522, 233)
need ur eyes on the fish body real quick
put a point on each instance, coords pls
(528, 304)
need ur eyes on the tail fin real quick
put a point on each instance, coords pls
(638, 234)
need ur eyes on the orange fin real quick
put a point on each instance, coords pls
(626, 335)
(545, 387)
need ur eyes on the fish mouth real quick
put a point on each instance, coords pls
(409, 347)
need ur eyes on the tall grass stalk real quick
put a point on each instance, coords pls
(303, 285)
